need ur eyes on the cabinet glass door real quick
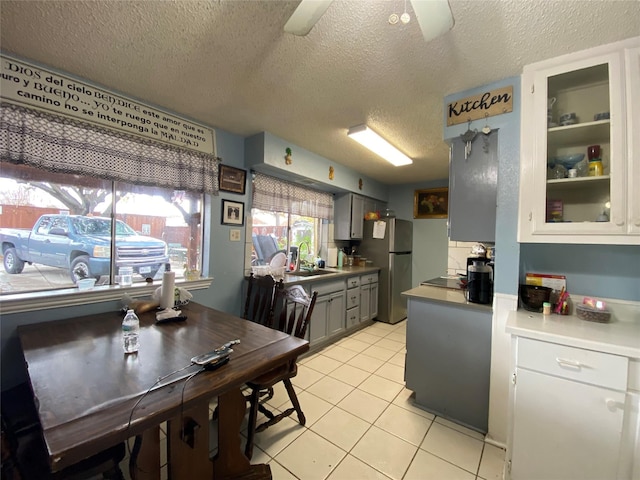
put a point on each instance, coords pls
(579, 151)
(579, 146)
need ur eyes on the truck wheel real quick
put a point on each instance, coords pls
(12, 263)
(80, 268)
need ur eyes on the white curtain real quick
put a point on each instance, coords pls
(277, 195)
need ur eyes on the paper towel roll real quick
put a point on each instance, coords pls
(332, 257)
(167, 297)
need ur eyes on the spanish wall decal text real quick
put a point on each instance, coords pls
(38, 87)
(488, 104)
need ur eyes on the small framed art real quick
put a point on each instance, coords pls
(431, 203)
(232, 179)
(232, 212)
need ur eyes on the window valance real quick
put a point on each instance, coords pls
(277, 195)
(64, 145)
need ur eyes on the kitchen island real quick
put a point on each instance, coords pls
(449, 354)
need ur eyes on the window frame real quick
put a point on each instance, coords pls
(68, 296)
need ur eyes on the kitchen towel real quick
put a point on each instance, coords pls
(167, 297)
(332, 257)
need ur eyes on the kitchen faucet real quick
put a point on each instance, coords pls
(299, 260)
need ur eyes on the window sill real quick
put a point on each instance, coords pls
(69, 297)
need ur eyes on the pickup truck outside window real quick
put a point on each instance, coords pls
(56, 229)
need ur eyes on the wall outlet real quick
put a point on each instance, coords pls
(234, 235)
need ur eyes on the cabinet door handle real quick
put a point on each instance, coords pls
(565, 362)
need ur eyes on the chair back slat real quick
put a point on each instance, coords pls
(293, 310)
(258, 305)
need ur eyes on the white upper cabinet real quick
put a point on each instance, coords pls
(598, 203)
(632, 62)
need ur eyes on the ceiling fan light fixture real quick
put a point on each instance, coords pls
(434, 17)
(305, 16)
(378, 145)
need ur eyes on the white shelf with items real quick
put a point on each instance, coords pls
(585, 209)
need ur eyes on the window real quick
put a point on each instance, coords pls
(275, 232)
(287, 218)
(80, 200)
(57, 228)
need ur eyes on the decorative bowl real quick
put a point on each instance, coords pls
(567, 161)
(533, 296)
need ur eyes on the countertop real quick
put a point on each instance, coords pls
(444, 295)
(334, 274)
(619, 337)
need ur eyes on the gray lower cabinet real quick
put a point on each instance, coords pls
(365, 302)
(328, 316)
(448, 360)
(368, 296)
(373, 306)
(353, 301)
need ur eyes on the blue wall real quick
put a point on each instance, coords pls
(508, 125)
(226, 258)
(608, 271)
(265, 153)
(430, 242)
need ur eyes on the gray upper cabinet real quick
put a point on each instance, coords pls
(348, 217)
(372, 205)
(473, 189)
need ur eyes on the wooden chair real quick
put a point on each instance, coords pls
(292, 312)
(24, 453)
(258, 306)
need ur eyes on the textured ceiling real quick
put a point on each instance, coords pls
(229, 64)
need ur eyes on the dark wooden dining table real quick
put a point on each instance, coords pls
(91, 395)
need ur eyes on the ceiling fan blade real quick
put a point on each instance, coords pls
(305, 16)
(434, 17)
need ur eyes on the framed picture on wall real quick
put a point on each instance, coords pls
(232, 179)
(431, 203)
(232, 213)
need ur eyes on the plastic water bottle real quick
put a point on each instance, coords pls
(131, 332)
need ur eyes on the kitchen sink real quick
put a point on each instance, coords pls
(307, 273)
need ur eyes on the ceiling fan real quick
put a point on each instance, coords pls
(434, 17)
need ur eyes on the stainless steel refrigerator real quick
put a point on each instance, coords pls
(392, 253)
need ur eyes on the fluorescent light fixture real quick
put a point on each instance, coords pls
(378, 145)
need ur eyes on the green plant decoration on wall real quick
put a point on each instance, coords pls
(287, 157)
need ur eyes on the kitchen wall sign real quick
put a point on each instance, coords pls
(232, 179)
(431, 203)
(487, 104)
(31, 85)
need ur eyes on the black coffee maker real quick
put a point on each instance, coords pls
(479, 280)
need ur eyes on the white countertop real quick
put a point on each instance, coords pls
(443, 295)
(619, 337)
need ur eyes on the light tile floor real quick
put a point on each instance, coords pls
(362, 424)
